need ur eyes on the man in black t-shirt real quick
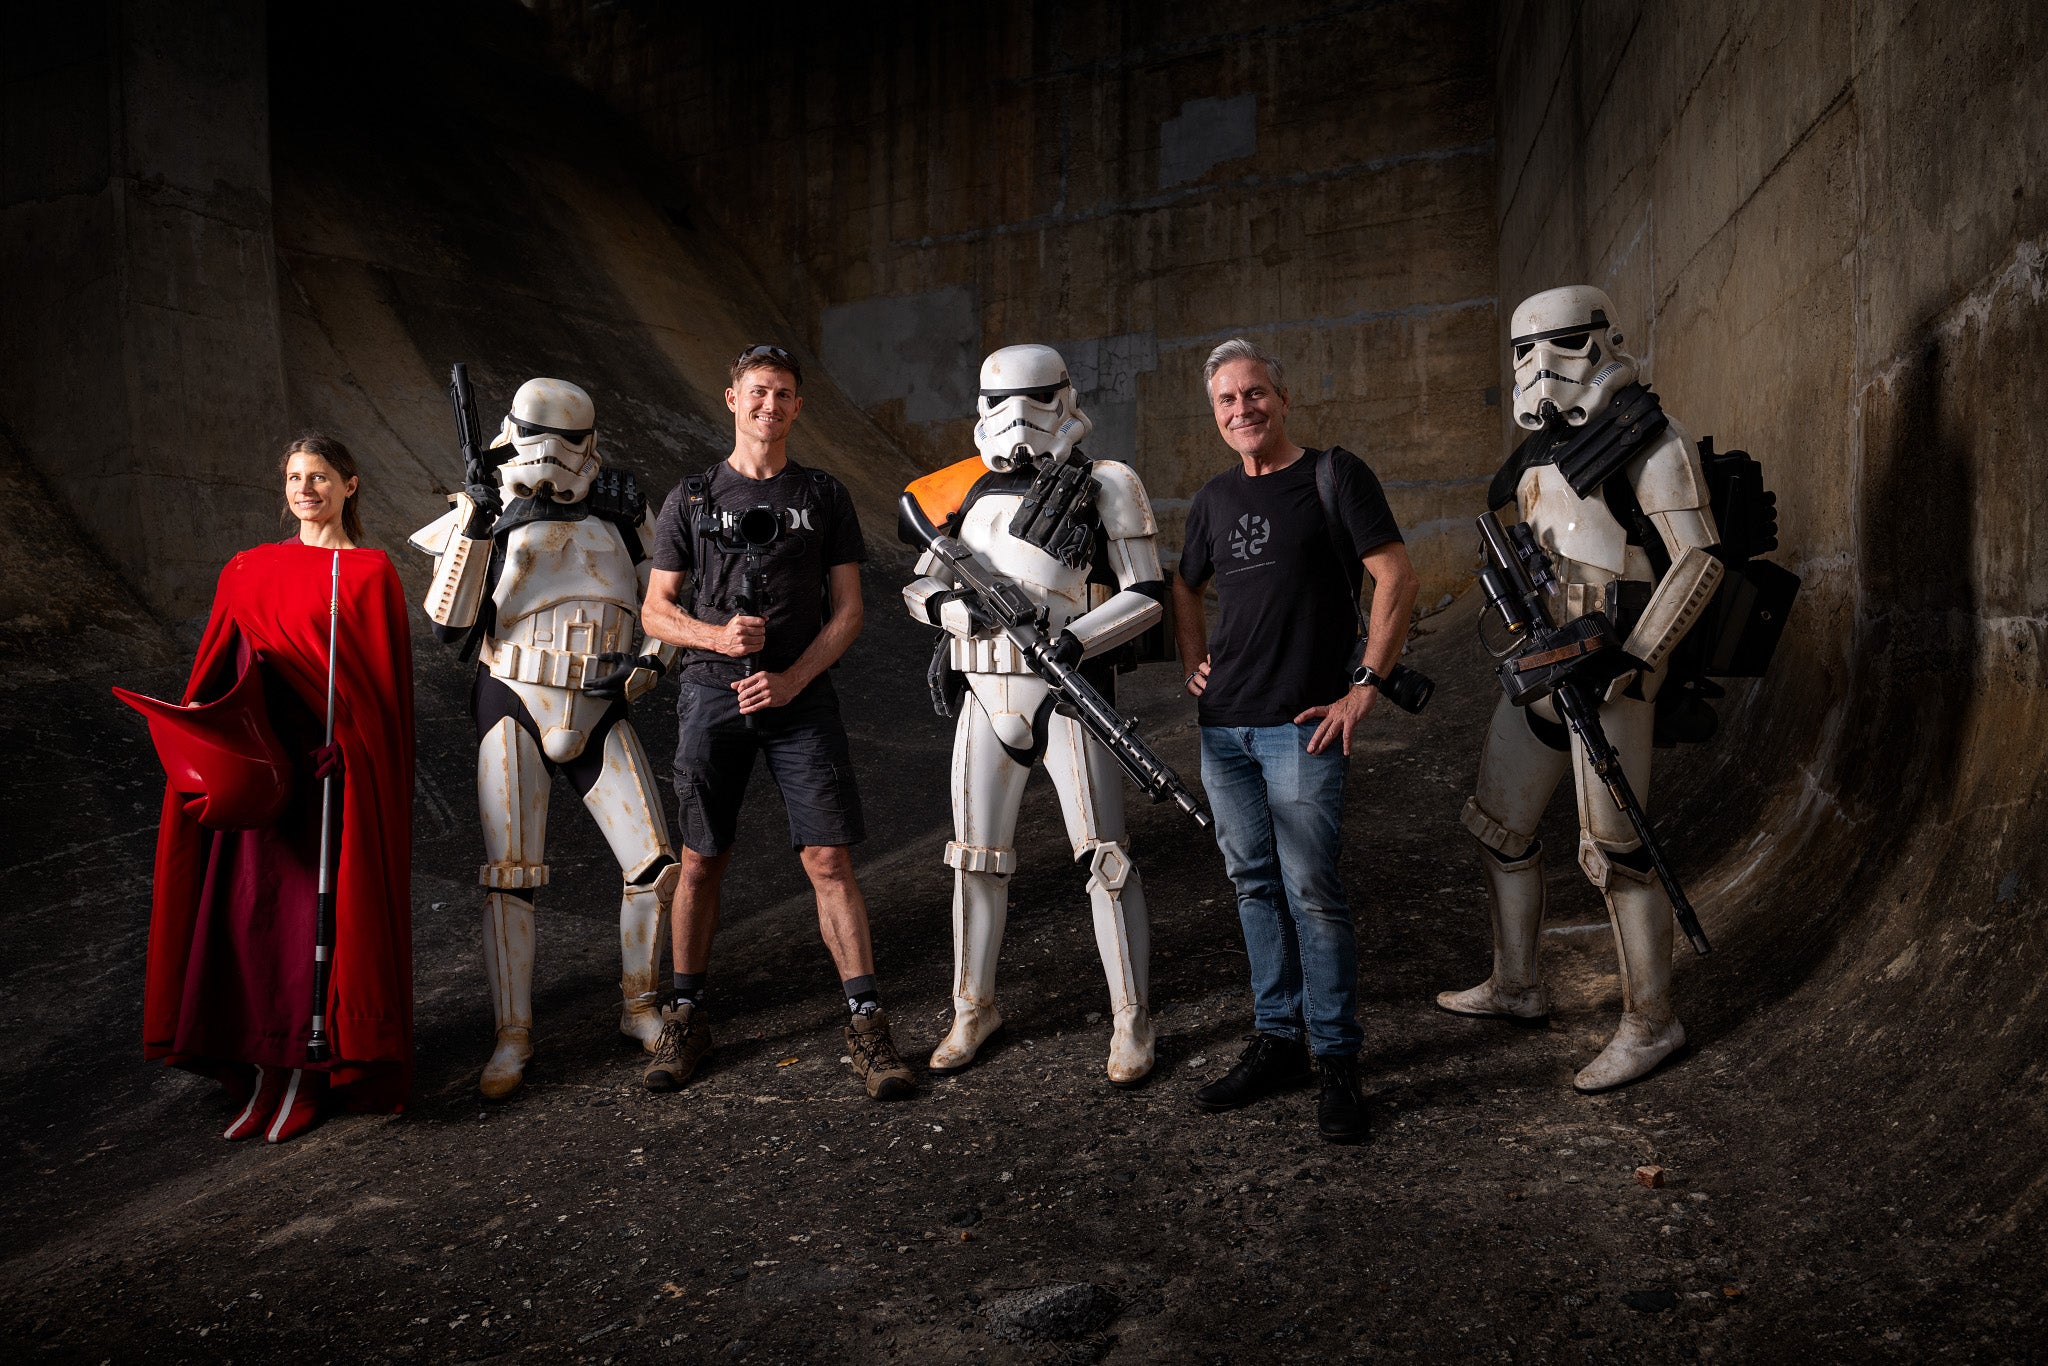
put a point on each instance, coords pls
(757, 577)
(1278, 705)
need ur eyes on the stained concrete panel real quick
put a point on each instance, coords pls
(1105, 372)
(1206, 134)
(922, 350)
(1321, 166)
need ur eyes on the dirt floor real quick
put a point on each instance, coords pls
(1022, 1211)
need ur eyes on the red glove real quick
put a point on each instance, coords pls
(327, 761)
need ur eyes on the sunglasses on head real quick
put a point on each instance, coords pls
(767, 352)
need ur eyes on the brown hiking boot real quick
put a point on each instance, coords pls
(685, 1039)
(874, 1057)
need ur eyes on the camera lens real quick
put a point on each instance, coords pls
(759, 525)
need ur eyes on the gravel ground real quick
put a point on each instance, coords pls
(1021, 1211)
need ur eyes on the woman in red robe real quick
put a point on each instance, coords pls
(230, 978)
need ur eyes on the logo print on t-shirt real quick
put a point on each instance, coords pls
(1250, 535)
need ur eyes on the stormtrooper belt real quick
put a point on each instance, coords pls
(987, 655)
(550, 668)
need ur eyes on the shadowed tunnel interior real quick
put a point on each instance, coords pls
(1824, 225)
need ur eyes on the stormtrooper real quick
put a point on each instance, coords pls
(1077, 536)
(545, 570)
(1614, 491)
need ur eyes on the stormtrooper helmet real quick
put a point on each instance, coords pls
(1029, 414)
(553, 447)
(1567, 356)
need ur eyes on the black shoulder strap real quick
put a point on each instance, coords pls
(697, 490)
(1333, 522)
(1507, 479)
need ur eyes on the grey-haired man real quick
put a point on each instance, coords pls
(1279, 703)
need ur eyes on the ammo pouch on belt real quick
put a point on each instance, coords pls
(1556, 655)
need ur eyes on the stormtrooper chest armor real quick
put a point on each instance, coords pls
(1062, 589)
(568, 592)
(1588, 547)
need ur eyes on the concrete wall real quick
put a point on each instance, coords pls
(1825, 223)
(916, 185)
(139, 344)
(448, 223)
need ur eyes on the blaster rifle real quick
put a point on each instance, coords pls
(476, 464)
(1024, 623)
(1515, 585)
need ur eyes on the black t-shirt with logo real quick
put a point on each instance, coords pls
(1285, 619)
(819, 530)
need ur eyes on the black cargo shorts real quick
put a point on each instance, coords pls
(804, 744)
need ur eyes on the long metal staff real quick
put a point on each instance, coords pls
(323, 913)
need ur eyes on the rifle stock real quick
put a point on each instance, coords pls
(1007, 604)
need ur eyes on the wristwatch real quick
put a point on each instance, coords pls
(1364, 677)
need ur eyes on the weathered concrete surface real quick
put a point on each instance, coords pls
(448, 222)
(1146, 179)
(139, 353)
(1825, 224)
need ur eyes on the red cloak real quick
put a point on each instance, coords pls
(230, 977)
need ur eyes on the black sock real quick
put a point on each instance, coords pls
(861, 998)
(686, 986)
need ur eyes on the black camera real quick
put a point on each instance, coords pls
(749, 531)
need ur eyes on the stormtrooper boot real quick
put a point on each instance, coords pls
(508, 964)
(1650, 1031)
(639, 947)
(981, 904)
(1512, 993)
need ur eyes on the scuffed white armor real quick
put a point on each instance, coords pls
(1027, 418)
(1563, 370)
(568, 592)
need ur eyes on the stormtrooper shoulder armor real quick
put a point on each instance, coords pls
(1121, 501)
(1670, 479)
(433, 537)
(942, 493)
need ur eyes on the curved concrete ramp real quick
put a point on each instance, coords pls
(502, 220)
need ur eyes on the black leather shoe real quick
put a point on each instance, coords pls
(1268, 1064)
(1340, 1110)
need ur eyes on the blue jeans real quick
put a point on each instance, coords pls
(1278, 812)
